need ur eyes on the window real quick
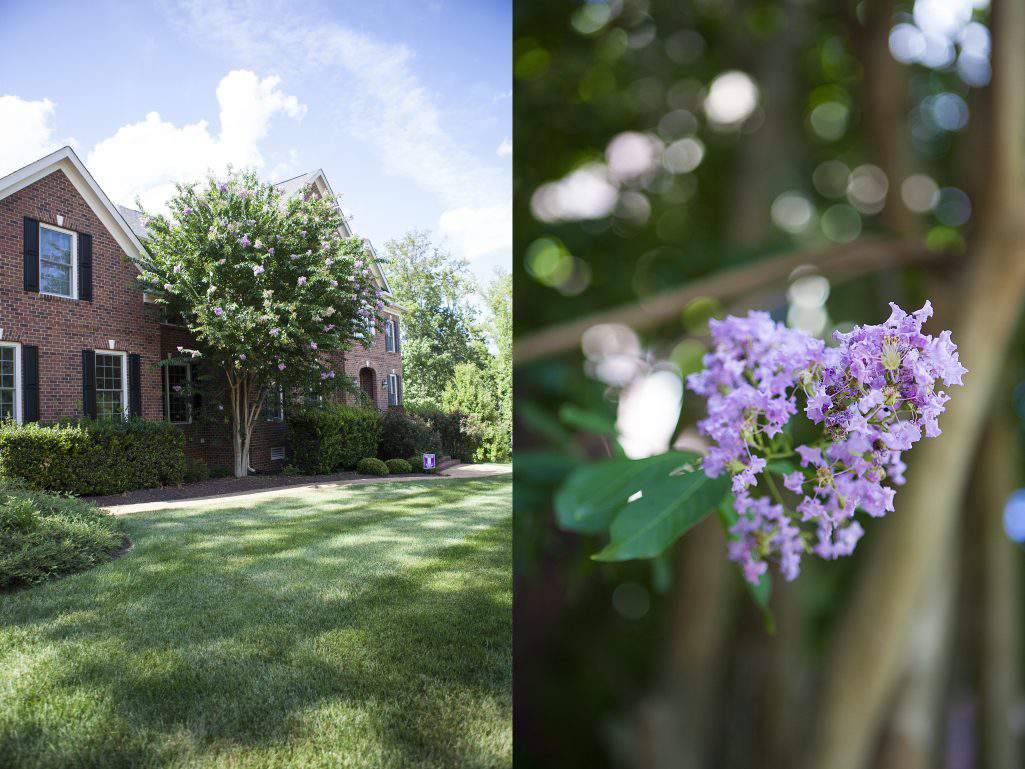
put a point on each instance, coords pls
(177, 400)
(393, 390)
(389, 336)
(10, 382)
(57, 261)
(274, 406)
(111, 385)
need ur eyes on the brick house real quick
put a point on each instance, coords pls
(78, 337)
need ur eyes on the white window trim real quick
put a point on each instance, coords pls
(18, 406)
(393, 381)
(389, 338)
(74, 260)
(167, 392)
(124, 379)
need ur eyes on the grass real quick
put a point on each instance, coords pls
(367, 626)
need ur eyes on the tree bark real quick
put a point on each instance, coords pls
(1000, 603)
(868, 647)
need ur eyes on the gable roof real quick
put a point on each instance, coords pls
(68, 162)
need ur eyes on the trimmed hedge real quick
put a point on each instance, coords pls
(397, 466)
(371, 466)
(404, 434)
(332, 437)
(93, 457)
(43, 536)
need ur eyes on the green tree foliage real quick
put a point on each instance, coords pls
(439, 327)
(268, 287)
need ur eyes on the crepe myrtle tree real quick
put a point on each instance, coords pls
(268, 287)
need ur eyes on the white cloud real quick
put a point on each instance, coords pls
(473, 232)
(385, 104)
(29, 132)
(147, 158)
(505, 148)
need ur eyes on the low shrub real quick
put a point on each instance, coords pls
(398, 466)
(196, 470)
(43, 536)
(93, 457)
(371, 466)
(291, 470)
(462, 434)
(221, 472)
(332, 437)
(404, 434)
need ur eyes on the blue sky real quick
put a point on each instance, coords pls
(405, 105)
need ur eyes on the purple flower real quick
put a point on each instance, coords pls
(302, 280)
(329, 326)
(186, 211)
(313, 345)
(257, 270)
(218, 311)
(168, 287)
(223, 187)
(873, 396)
(334, 284)
(242, 357)
(281, 367)
(244, 241)
(275, 331)
(270, 251)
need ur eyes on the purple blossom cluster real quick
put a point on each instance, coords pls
(873, 396)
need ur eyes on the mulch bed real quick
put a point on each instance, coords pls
(218, 486)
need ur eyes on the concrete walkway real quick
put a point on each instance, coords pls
(456, 471)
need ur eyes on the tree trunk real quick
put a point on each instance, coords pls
(1000, 636)
(867, 653)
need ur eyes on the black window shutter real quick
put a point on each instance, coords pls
(89, 383)
(31, 254)
(395, 325)
(134, 386)
(197, 396)
(29, 383)
(85, 266)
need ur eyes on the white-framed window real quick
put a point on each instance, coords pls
(10, 381)
(274, 406)
(393, 390)
(389, 336)
(111, 385)
(177, 398)
(58, 261)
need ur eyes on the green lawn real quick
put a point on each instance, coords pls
(368, 626)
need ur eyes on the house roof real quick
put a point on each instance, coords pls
(68, 162)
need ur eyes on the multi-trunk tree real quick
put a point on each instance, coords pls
(270, 289)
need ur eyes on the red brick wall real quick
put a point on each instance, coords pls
(381, 362)
(62, 328)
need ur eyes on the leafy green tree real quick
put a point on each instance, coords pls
(472, 391)
(440, 327)
(268, 287)
(498, 298)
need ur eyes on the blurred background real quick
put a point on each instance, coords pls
(677, 161)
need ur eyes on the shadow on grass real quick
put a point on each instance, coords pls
(381, 622)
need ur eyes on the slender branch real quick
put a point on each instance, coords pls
(839, 263)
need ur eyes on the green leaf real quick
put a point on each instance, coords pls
(667, 510)
(593, 494)
(762, 592)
